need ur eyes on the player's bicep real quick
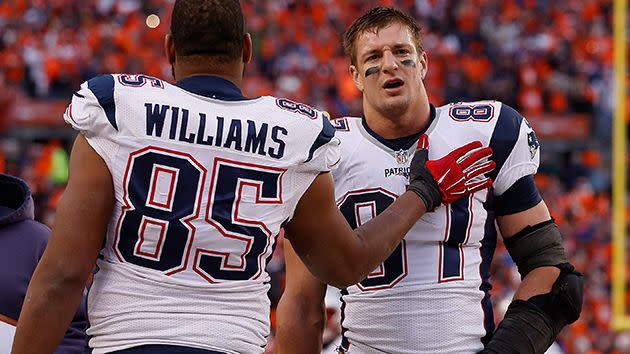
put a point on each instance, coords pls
(300, 283)
(319, 231)
(83, 213)
(511, 224)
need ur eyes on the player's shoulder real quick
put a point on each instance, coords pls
(93, 106)
(306, 127)
(501, 127)
(104, 84)
(102, 87)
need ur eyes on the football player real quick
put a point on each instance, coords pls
(182, 189)
(432, 295)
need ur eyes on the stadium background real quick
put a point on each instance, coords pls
(552, 60)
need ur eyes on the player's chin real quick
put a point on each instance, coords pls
(395, 105)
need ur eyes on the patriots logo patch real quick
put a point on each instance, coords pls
(533, 143)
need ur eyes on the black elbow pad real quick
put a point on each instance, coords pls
(564, 302)
(531, 326)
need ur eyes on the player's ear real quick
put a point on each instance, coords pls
(356, 77)
(169, 49)
(247, 48)
(424, 64)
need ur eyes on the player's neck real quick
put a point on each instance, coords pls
(233, 73)
(414, 120)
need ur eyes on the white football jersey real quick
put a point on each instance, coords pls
(431, 295)
(204, 178)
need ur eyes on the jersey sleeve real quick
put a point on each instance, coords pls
(92, 109)
(324, 154)
(515, 150)
(92, 112)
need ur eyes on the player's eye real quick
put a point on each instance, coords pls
(372, 57)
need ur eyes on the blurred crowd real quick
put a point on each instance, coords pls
(536, 55)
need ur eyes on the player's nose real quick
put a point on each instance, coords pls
(389, 61)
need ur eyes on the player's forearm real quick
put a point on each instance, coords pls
(538, 281)
(367, 246)
(328, 246)
(299, 327)
(381, 236)
(49, 305)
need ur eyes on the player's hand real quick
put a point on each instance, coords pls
(457, 174)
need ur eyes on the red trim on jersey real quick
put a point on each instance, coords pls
(69, 114)
(158, 248)
(471, 201)
(8, 320)
(168, 205)
(471, 216)
(395, 281)
(340, 124)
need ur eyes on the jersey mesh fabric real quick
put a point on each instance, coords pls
(434, 302)
(131, 304)
(430, 320)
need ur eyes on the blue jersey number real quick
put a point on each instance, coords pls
(155, 229)
(229, 179)
(458, 226)
(476, 112)
(139, 80)
(360, 206)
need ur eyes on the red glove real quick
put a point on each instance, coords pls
(457, 174)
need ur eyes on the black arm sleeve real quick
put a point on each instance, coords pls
(522, 195)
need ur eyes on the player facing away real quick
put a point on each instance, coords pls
(179, 191)
(432, 294)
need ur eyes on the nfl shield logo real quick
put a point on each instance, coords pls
(401, 156)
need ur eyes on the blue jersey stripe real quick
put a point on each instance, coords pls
(460, 217)
(488, 244)
(345, 343)
(325, 135)
(504, 137)
(522, 195)
(102, 87)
